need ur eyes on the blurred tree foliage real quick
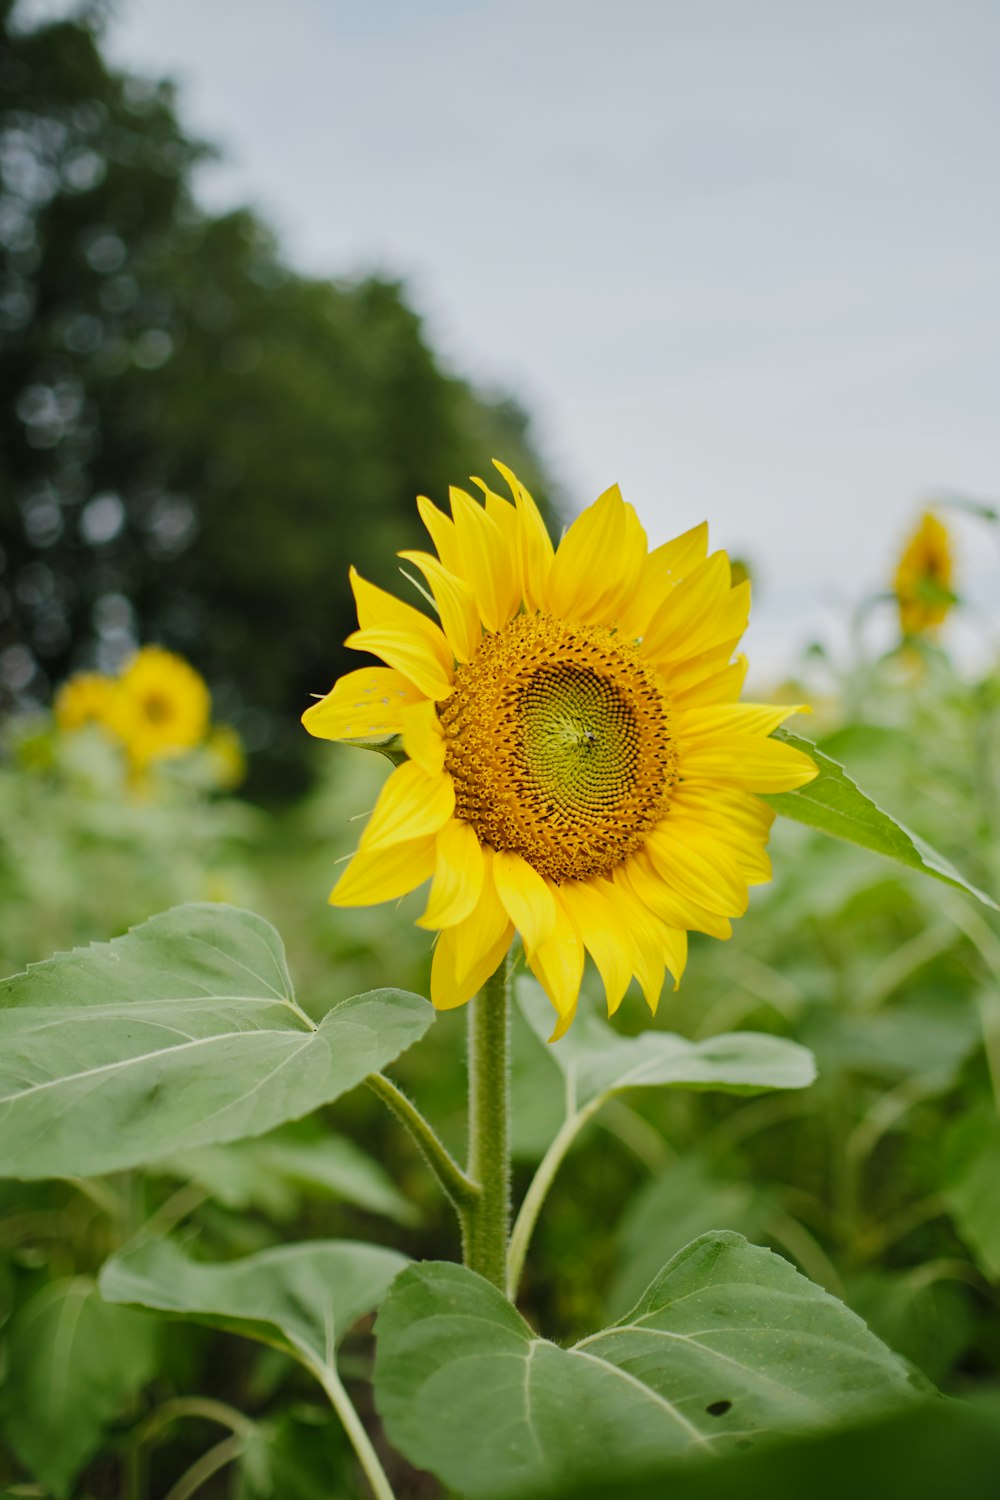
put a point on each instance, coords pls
(195, 441)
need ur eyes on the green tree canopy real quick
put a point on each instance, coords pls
(195, 440)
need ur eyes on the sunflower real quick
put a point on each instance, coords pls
(578, 768)
(923, 579)
(166, 706)
(87, 698)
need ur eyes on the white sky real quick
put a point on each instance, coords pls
(742, 257)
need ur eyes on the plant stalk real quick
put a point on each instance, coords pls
(486, 1220)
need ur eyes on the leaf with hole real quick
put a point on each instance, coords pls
(727, 1344)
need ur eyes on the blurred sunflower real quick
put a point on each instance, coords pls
(165, 706)
(87, 698)
(578, 767)
(924, 576)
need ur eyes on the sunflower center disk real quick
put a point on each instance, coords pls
(558, 741)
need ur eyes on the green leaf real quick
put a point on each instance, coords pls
(973, 1171)
(301, 1299)
(928, 1451)
(74, 1363)
(728, 1343)
(183, 1033)
(595, 1060)
(834, 804)
(672, 1209)
(274, 1173)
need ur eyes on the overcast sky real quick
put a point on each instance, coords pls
(743, 258)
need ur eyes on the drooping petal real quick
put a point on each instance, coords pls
(482, 928)
(602, 924)
(411, 805)
(447, 989)
(423, 737)
(455, 604)
(375, 875)
(408, 655)
(557, 964)
(527, 899)
(458, 876)
(364, 705)
(698, 867)
(641, 876)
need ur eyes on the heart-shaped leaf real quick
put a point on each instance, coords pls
(728, 1343)
(183, 1033)
(596, 1060)
(299, 1298)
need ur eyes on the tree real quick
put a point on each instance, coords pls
(195, 440)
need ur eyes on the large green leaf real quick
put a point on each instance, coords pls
(596, 1061)
(299, 1298)
(73, 1364)
(183, 1033)
(834, 804)
(931, 1450)
(728, 1343)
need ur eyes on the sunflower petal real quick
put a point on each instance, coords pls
(488, 564)
(662, 571)
(423, 737)
(411, 805)
(535, 550)
(455, 604)
(603, 925)
(747, 761)
(685, 609)
(722, 685)
(704, 723)
(458, 876)
(447, 989)
(441, 530)
(578, 583)
(409, 655)
(375, 875)
(362, 705)
(557, 964)
(698, 867)
(527, 899)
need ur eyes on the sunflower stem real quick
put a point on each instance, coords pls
(449, 1174)
(486, 1220)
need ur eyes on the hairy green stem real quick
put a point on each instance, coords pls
(355, 1429)
(527, 1217)
(486, 1220)
(460, 1189)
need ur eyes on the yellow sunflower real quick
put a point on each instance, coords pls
(166, 705)
(578, 768)
(87, 698)
(924, 576)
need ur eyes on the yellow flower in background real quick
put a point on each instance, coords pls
(87, 698)
(579, 768)
(165, 705)
(923, 580)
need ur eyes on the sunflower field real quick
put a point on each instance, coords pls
(270, 1228)
(459, 1041)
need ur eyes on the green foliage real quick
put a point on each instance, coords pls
(183, 1033)
(301, 1299)
(728, 1342)
(74, 1365)
(596, 1062)
(166, 376)
(834, 804)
